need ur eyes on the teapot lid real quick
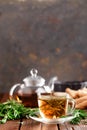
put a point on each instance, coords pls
(34, 79)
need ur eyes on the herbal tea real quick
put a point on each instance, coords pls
(52, 107)
(55, 105)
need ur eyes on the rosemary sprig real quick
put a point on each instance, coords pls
(79, 115)
(11, 110)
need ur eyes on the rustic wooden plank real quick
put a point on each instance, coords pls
(29, 124)
(34, 125)
(4, 97)
(49, 127)
(1, 96)
(10, 125)
(67, 126)
(62, 127)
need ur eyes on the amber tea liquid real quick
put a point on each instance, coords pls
(29, 100)
(52, 107)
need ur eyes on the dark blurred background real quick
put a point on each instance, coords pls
(49, 35)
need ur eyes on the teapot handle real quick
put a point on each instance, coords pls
(13, 88)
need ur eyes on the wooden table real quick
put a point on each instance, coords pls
(29, 124)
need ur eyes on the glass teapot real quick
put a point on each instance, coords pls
(27, 91)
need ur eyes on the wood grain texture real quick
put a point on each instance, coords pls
(68, 126)
(29, 124)
(10, 125)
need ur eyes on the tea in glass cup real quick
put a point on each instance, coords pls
(55, 105)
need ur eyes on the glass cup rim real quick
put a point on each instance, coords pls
(57, 94)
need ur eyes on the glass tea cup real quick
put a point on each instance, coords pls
(55, 105)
